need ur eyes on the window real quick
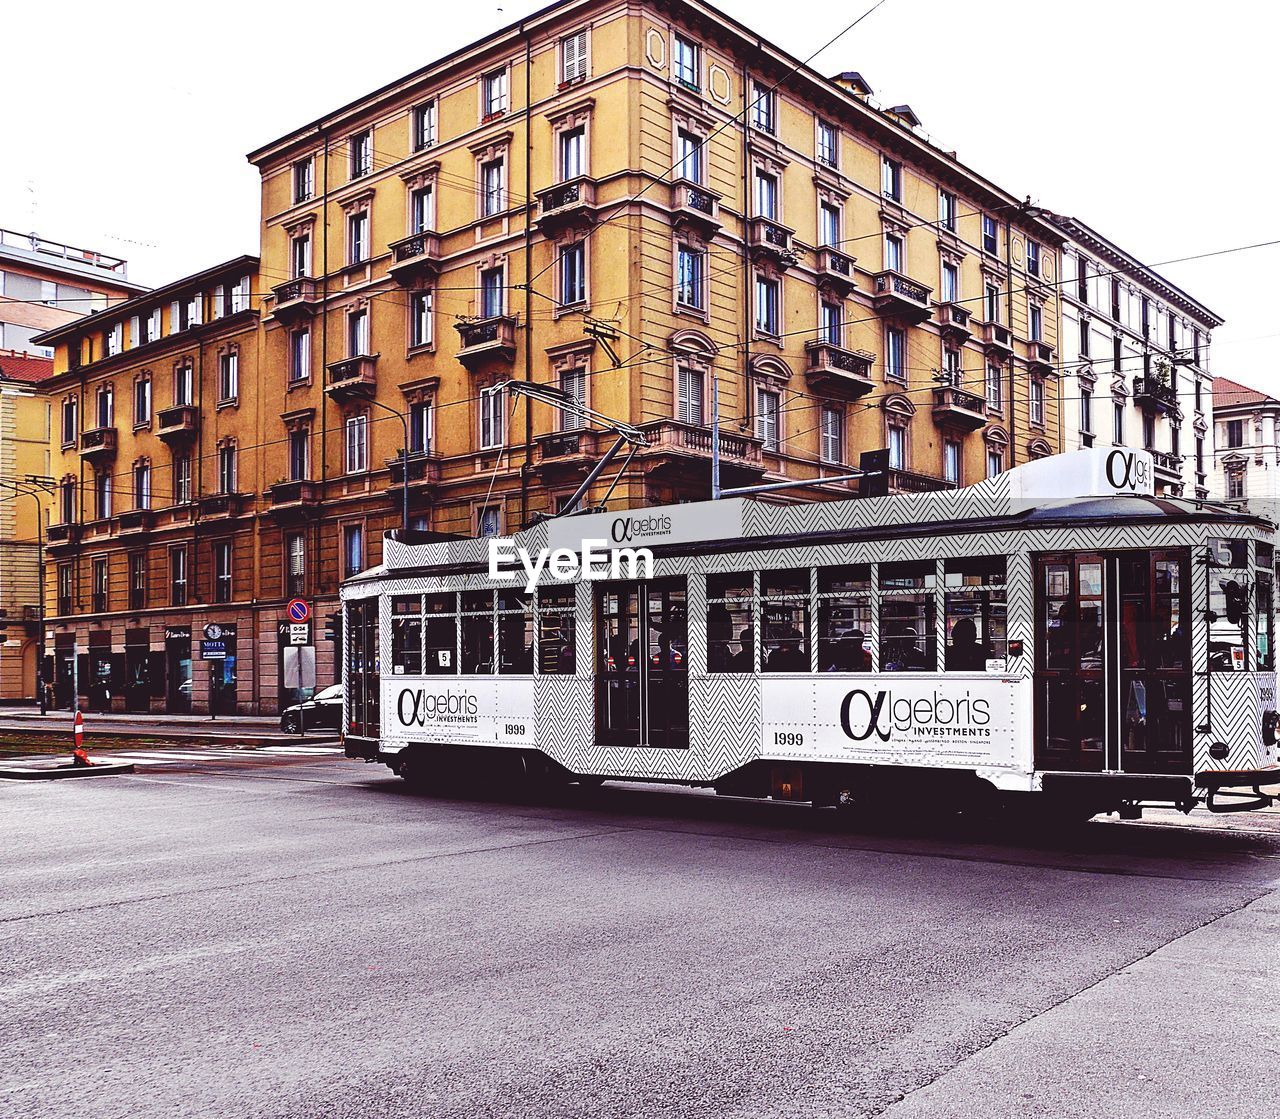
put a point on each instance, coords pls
(420, 321)
(573, 275)
(784, 620)
(304, 182)
(491, 292)
(222, 571)
(67, 506)
(975, 613)
(422, 216)
(1085, 327)
(103, 484)
(178, 576)
(991, 302)
(489, 520)
(295, 564)
(491, 190)
(831, 323)
(1148, 431)
(895, 353)
(730, 625)
(1199, 395)
(950, 282)
(142, 486)
(361, 154)
(299, 355)
(356, 446)
(893, 252)
(1035, 401)
(420, 427)
(952, 366)
(767, 311)
(300, 257)
(990, 235)
(1146, 317)
(495, 93)
(573, 383)
(113, 340)
(951, 461)
(573, 153)
(1173, 332)
(947, 210)
(689, 277)
(908, 638)
(766, 196)
(352, 550)
(1035, 321)
(1175, 440)
(106, 406)
(557, 623)
(688, 156)
(70, 423)
(1195, 349)
(1199, 455)
(832, 434)
(767, 416)
(515, 632)
(358, 237)
(299, 438)
(764, 107)
(137, 581)
(891, 178)
(828, 144)
(1235, 433)
(573, 57)
(64, 588)
(829, 225)
(897, 447)
(227, 468)
(1082, 279)
(183, 384)
(492, 418)
(142, 401)
(181, 479)
(1117, 422)
(685, 63)
(995, 461)
(424, 126)
(228, 375)
(1086, 410)
(1117, 354)
(358, 333)
(1235, 484)
(993, 387)
(1033, 257)
(690, 388)
(406, 635)
(99, 585)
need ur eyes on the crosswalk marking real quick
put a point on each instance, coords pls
(161, 757)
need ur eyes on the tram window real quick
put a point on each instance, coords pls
(406, 635)
(730, 627)
(844, 618)
(557, 621)
(1168, 627)
(477, 633)
(1228, 601)
(515, 633)
(440, 634)
(1264, 624)
(784, 620)
(363, 666)
(848, 579)
(908, 639)
(975, 613)
(1264, 555)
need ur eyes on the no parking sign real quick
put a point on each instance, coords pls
(298, 610)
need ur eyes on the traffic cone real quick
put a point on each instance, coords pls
(78, 756)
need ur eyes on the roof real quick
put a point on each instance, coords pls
(1232, 394)
(27, 368)
(98, 270)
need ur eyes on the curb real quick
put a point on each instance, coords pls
(61, 772)
(177, 734)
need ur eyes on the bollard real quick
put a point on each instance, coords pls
(78, 756)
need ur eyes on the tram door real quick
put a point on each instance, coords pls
(642, 681)
(1113, 662)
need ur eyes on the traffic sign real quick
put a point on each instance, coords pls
(298, 610)
(299, 633)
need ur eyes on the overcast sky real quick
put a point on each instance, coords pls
(126, 124)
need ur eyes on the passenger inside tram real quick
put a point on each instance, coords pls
(965, 653)
(744, 660)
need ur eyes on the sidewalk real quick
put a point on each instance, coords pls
(19, 715)
(247, 731)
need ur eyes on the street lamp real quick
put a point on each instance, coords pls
(404, 461)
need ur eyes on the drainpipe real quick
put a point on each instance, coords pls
(324, 351)
(1013, 361)
(527, 466)
(747, 405)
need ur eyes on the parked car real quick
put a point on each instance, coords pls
(323, 710)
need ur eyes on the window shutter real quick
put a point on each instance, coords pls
(175, 316)
(135, 330)
(219, 295)
(575, 56)
(682, 395)
(154, 332)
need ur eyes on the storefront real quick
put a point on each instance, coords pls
(177, 661)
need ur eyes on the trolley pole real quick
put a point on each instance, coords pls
(715, 437)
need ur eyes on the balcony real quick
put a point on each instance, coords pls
(998, 341)
(900, 297)
(1039, 357)
(955, 322)
(424, 469)
(136, 521)
(959, 408)
(63, 535)
(908, 481)
(296, 299)
(835, 270)
(485, 339)
(769, 240)
(840, 372)
(178, 425)
(222, 504)
(352, 378)
(414, 257)
(98, 444)
(1168, 467)
(571, 203)
(680, 446)
(567, 451)
(297, 498)
(696, 205)
(1151, 392)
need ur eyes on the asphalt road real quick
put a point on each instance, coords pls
(309, 938)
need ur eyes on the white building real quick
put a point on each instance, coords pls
(1246, 462)
(1135, 361)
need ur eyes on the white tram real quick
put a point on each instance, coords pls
(1055, 636)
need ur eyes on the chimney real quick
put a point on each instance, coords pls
(852, 81)
(903, 115)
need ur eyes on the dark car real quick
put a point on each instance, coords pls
(322, 711)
